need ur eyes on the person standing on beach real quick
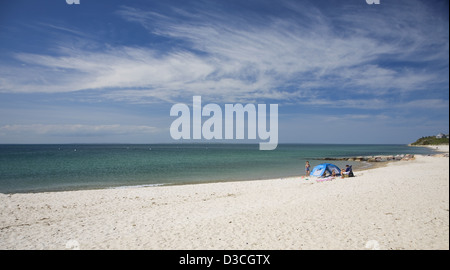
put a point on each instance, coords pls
(307, 168)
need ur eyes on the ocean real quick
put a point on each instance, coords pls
(40, 168)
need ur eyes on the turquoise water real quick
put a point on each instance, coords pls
(35, 168)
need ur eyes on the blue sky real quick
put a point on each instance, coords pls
(109, 71)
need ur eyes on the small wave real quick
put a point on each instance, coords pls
(365, 165)
(138, 186)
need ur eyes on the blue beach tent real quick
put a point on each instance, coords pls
(325, 167)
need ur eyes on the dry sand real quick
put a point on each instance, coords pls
(404, 205)
(439, 148)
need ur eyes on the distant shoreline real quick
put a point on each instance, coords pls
(439, 148)
(442, 148)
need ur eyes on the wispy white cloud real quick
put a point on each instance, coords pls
(75, 130)
(297, 58)
(426, 104)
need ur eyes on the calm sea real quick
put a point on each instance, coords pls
(36, 168)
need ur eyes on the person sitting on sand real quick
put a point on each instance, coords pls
(347, 172)
(325, 174)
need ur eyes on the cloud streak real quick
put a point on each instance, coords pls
(226, 57)
(75, 130)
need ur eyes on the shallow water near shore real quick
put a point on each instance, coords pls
(37, 168)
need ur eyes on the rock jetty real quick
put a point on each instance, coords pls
(373, 158)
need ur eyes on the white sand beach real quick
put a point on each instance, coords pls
(439, 148)
(404, 205)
